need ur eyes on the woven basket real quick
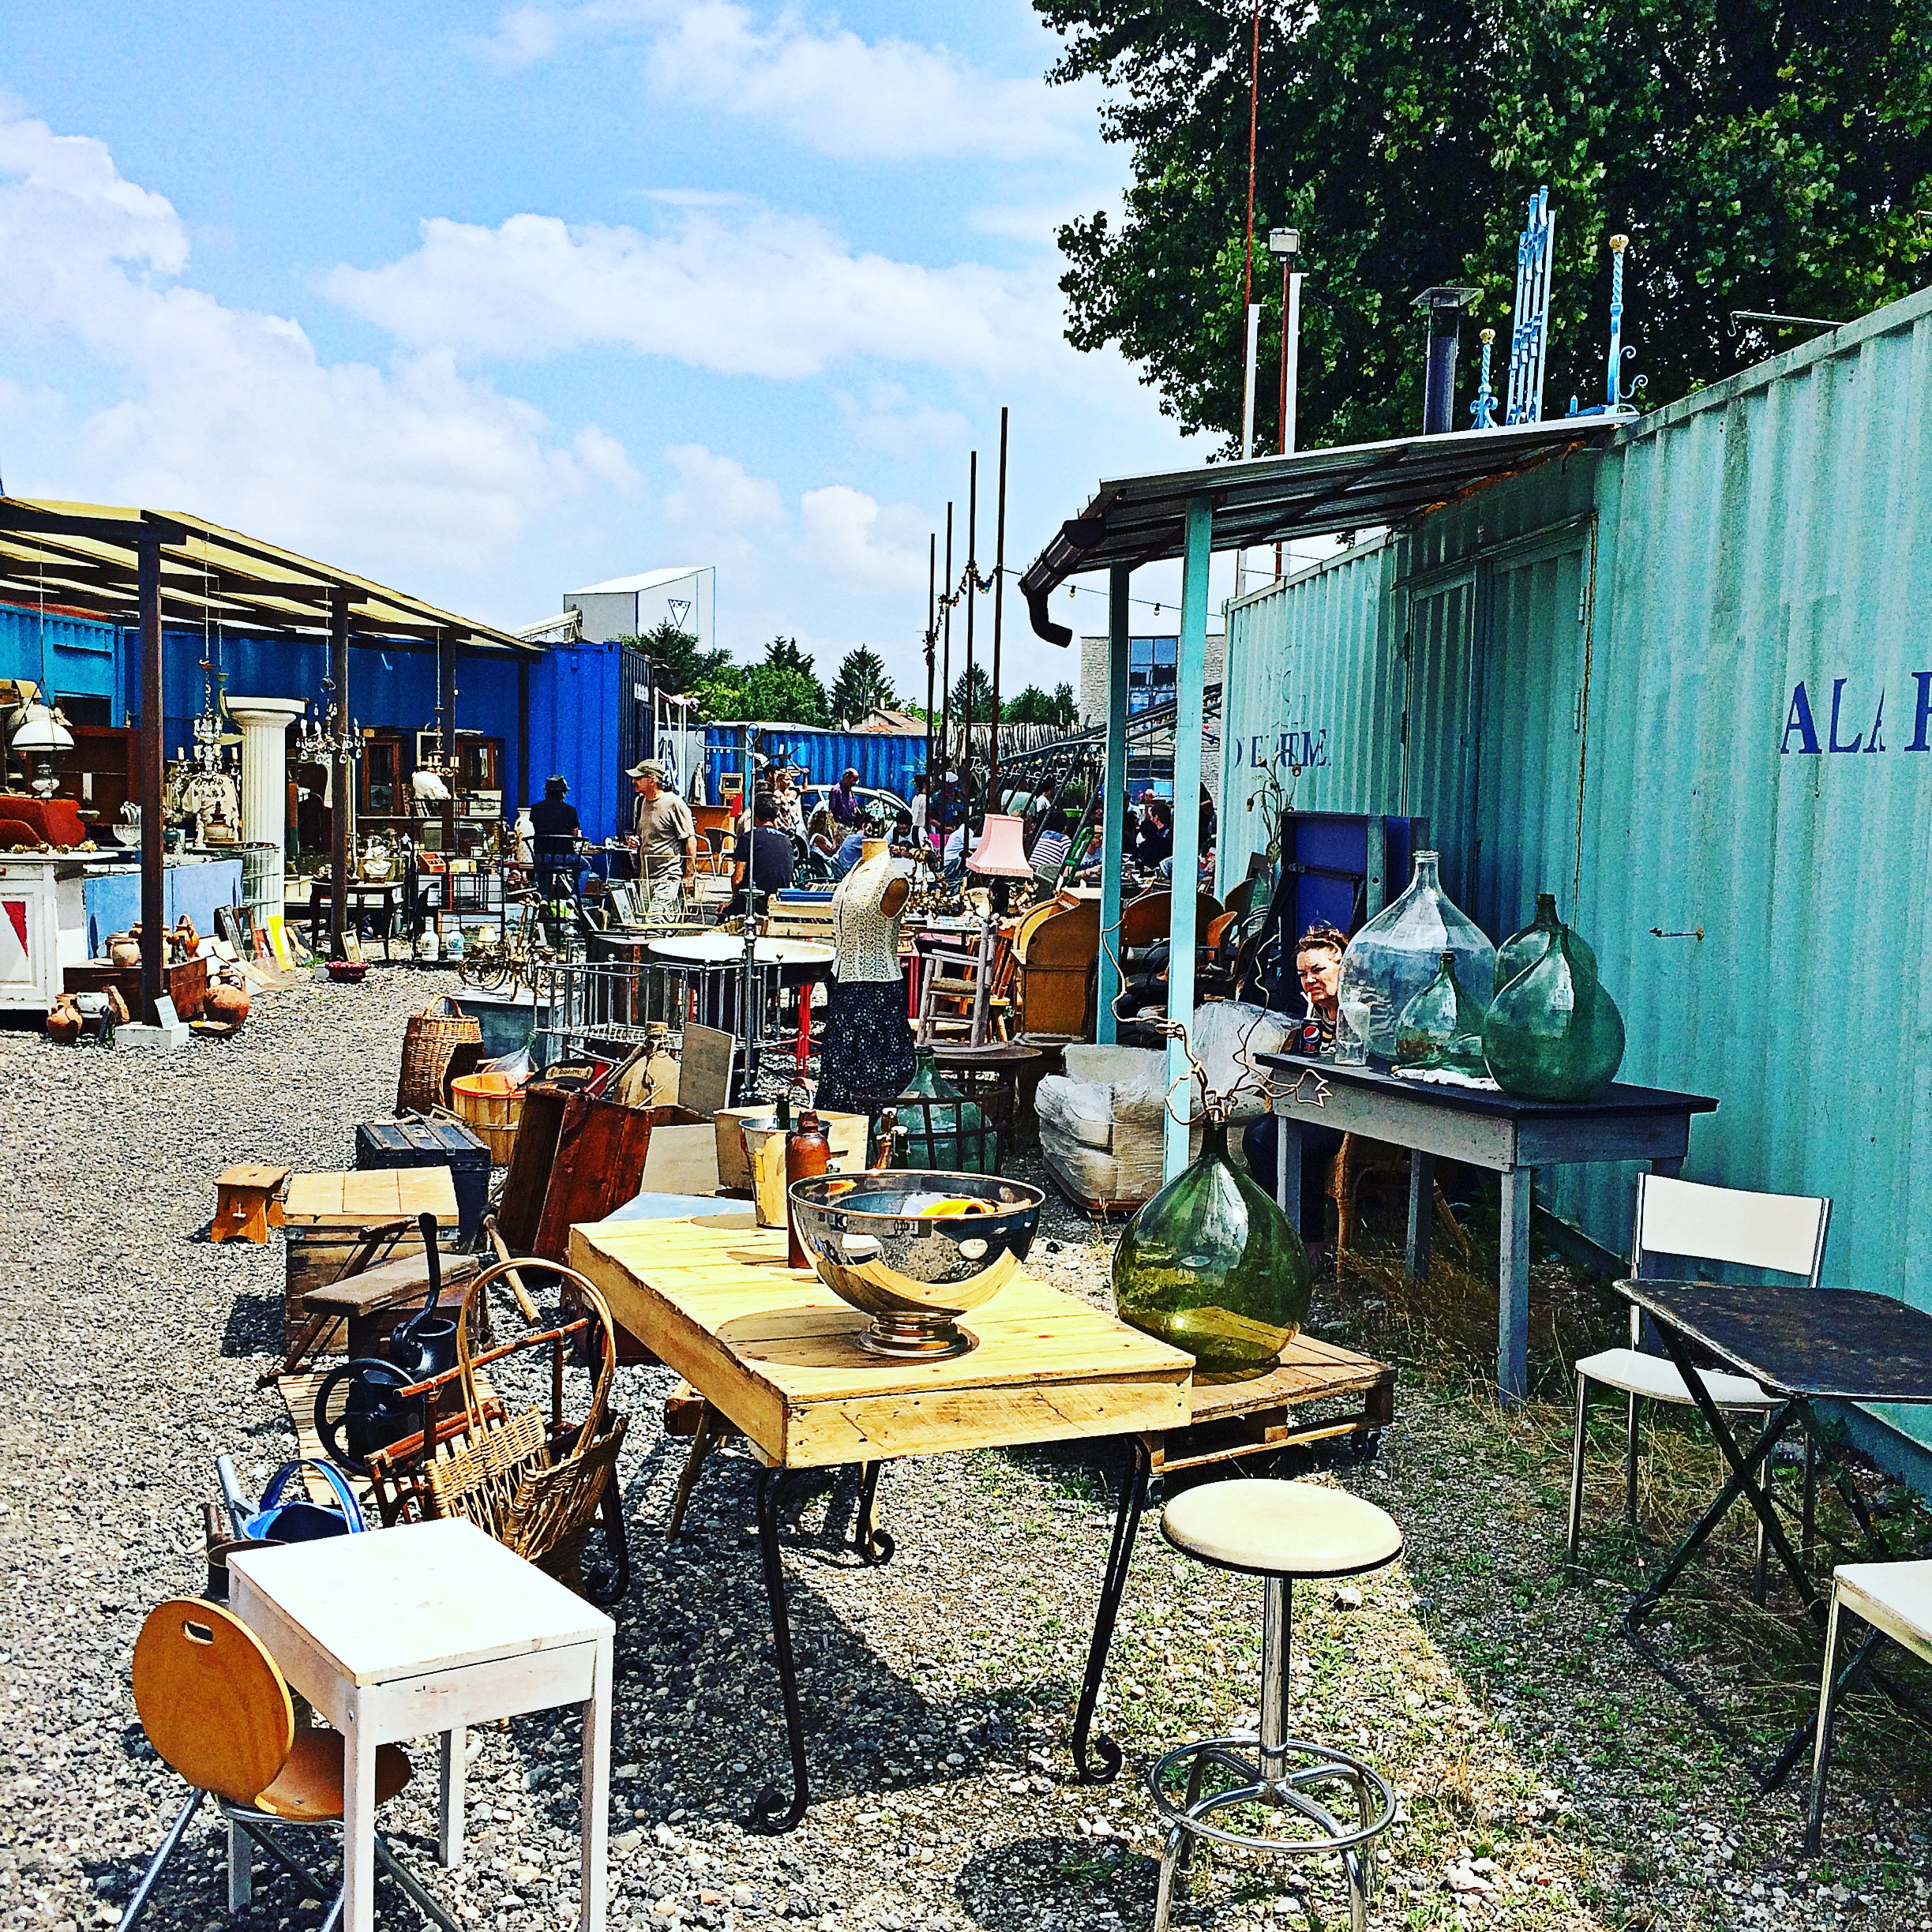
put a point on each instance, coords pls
(431, 1036)
(490, 1106)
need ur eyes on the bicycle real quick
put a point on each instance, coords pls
(491, 965)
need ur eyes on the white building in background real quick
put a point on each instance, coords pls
(629, 606)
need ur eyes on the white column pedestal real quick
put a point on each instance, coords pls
(265, 723)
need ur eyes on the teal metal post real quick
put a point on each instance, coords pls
(1105, 1026)
(1190, 707)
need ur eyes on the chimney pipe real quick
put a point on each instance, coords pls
(1445, 305)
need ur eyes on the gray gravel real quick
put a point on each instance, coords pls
(1547, 1780)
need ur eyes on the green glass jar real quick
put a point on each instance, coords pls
(1212, 1265)
(1441, 1027)
(1521, 951)
(1553, 1033)
(946, 1132)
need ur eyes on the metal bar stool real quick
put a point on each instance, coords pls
(1277, 1531)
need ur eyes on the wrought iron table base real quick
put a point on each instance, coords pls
(771, 1809)
(1133, 1499)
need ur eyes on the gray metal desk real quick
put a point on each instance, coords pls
(1510, 1138)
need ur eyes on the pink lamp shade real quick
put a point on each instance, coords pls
(1001, 853)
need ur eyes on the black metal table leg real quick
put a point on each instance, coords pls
(771, 1811)
(874, 1545)
(1113, 1586)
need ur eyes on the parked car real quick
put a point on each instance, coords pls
(814, 795)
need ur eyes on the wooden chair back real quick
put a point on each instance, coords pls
(1144, 920)
(210, 1698)
(1783, 1234)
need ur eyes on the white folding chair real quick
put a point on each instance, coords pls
(1895, 1599)
(1779, 1233)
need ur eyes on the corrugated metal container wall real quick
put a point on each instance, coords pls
(1664, 691)
(1306, 690)
(883, 761)
(573, 732)
(71, 656)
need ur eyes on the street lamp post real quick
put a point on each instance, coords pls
(1285, 243)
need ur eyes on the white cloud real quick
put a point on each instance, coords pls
(849, 534)
(748, 292)
(855, 98)
(718, 493)
(233, 414)
(889, 419)
(827, 88)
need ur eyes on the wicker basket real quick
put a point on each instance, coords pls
(431, 1036)
(490, 1106)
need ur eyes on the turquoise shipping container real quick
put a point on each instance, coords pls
(1684, 683)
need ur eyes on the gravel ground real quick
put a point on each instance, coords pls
(1548, 1778)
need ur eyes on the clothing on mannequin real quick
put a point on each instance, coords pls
(868, 1057)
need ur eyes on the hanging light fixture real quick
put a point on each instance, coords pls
(40, 731)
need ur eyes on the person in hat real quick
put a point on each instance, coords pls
(666, 840)
(553, 821)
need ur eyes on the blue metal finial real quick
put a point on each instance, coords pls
(1529, 341)
(1483, 408)
(1617, 391)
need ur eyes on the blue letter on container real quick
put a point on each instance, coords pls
(1799, 719)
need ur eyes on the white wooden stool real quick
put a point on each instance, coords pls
(1277, 1531)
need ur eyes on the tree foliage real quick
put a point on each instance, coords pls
(972, 700)
(677, 663)
(782, 690)
(1034, 707)
(861, 685)
(1760, 155)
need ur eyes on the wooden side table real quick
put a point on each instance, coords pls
(247, 1203)
(1000, 1077)
(431, 1627)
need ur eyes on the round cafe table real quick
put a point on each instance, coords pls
(1000, 1077)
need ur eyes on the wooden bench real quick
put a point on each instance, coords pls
(247, 1203)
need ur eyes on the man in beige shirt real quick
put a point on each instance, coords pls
(666, 840)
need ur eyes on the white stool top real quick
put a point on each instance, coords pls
(1895, 1598)
(1281, 1529)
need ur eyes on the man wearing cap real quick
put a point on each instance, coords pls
(666, 840)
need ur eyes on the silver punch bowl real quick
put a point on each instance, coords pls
(915, 1250)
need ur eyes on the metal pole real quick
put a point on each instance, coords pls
(1291, 363)
(1249, 374)
(446, 703)
(946, 681)
(1190, 682)
(972, 597)
(998, 595)
(339, 790)
(933, 552)
(1113, 801)
(153, 883)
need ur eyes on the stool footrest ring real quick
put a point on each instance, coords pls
(1321, 1764)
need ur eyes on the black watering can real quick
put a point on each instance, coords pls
(372, 1415)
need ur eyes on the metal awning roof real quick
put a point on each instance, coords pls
(85, 556)
(1143, 520)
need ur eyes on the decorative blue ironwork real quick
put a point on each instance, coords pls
(1618, 394)
(1529, 340)
(1483, 408)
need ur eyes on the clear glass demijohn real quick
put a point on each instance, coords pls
(1401, 949)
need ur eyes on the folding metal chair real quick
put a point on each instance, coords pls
(1779, 1233)
(217, 1710)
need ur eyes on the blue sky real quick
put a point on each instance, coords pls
(492, 305)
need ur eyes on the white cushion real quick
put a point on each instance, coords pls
(1081, 1110)
(1655, 1379)
(1091, 1175)
(1227, 1035)
(1895, 1598)
(1109, 1065)
(1281, 1529)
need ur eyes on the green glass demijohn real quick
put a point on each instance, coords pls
(1521, 951)
(1213, 1266)
(951, 1139)
(1441, 1027)
(1553, 1033)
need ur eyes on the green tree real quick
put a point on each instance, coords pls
(1031, 706)
(676, 659)
(786, 654)
(1760, 155)
(860, 685)
(979, 691)
(776, 693)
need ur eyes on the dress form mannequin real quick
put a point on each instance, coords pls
(868, 1049)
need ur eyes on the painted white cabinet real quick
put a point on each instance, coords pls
(43, 927)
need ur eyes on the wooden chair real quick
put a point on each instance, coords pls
(1777, 1233)
(958, 999)
(217, 1710)
(1055, 945)
(1895, 1599)
(1361, 1161)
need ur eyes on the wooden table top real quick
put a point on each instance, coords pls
(773, 1348)
(420, 1597)
(355, 1200)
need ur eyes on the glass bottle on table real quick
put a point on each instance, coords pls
(1399, 952)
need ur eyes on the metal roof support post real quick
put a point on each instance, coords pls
(1113, 801)
(446, 708)
(153, 884)
(521, 797)
(340, 776)
(1190, 706)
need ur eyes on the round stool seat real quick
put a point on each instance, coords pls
(1281, 1529)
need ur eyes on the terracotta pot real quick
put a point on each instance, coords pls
(63, 1021)
(123, 949)
(229, 1004)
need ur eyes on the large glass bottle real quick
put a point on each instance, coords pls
(948, 1132)
(1442, 1026)
(1521, 951)
(1211, 1264)
(1399, 952)
(1553, 1033)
